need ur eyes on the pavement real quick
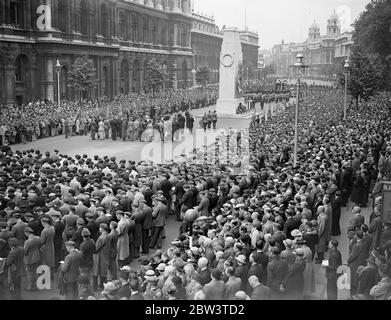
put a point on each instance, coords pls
(133, 151)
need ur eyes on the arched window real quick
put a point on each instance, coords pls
(21, 63)
(104, 20)
(84, 15)
(122, 25)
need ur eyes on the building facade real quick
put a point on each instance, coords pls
(119, 36)
(322, 53)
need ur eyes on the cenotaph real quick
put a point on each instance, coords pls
(231, 60)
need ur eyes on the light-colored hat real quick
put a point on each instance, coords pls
(241, 258)
(295, 233)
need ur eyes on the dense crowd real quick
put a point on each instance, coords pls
(255, 235)
(40, 119)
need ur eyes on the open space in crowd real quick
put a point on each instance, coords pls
(255, 235)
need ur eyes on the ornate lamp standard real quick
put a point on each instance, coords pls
(58, 70)
(346, 73)
(299, 69)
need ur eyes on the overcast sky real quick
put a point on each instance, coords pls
(280, 19)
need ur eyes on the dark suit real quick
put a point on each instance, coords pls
(71, 272)
(205, 276)
(335, 260)
(160, 213)
(15, 263)
(366, 280)
(31, 259)
(277, 269)
(146, 229)
(18, 232)
(357, 258)
(261, 292)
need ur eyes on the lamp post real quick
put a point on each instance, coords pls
(194, 72)
(164, 76)
(58, 70)
(346, 72)
(298, 68)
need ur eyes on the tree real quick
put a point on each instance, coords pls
(372, 33)
(153, 78)
(82, 75)
(366, 74)
(202, 75)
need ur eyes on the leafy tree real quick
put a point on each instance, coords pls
(366, 74)
(153, 78)
(82, 75)
(372, 33)
(202, 75)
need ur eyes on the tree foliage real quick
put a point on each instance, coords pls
(153, 78)
(82, 75)
(372, 33)
(202, 75)
(366, 74)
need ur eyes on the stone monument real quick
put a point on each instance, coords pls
(231, 60)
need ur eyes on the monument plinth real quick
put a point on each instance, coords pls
(231, 60)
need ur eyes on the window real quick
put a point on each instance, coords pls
(104, 16)
(16, 13)
(122, 26)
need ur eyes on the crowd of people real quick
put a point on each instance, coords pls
(122, 115)
(256, 235)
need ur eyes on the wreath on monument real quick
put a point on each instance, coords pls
(227, 60)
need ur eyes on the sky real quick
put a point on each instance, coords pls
(280, 19)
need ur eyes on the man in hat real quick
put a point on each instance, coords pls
(31, 258)
(70, 269)
(203, 271)
(17, 230)
(150, 289)
(277, 269)
(214, 290)
(203, 207)
(357, 258)
(58, 237)
(334, 261)
(77, 237)
(15, 264)
(146, 225)
(367, 278)
(159, 214)
(47, 244)
(101, 257)
(87, 248)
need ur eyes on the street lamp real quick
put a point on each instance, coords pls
(58, 70)
(298, 68)
(347, 73)
(194, 72)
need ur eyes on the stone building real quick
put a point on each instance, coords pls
(120, 36)
(322, 53)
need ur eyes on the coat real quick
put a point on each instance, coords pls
(160, 213)
(276, 271)
(203, 207)
(113, 244)
(102, 255)
(47, 247)
(261, 292)
(18, 232)
(15, 261)
(294, 281)
(147, 220)
(335, 260)
(231, 287)
(70, 267)
(87, 248)
(214, 290)
(123, 240)
(32, 250)
(323, 233)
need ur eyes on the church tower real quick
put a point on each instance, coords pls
(333, 25)
(314, 32)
